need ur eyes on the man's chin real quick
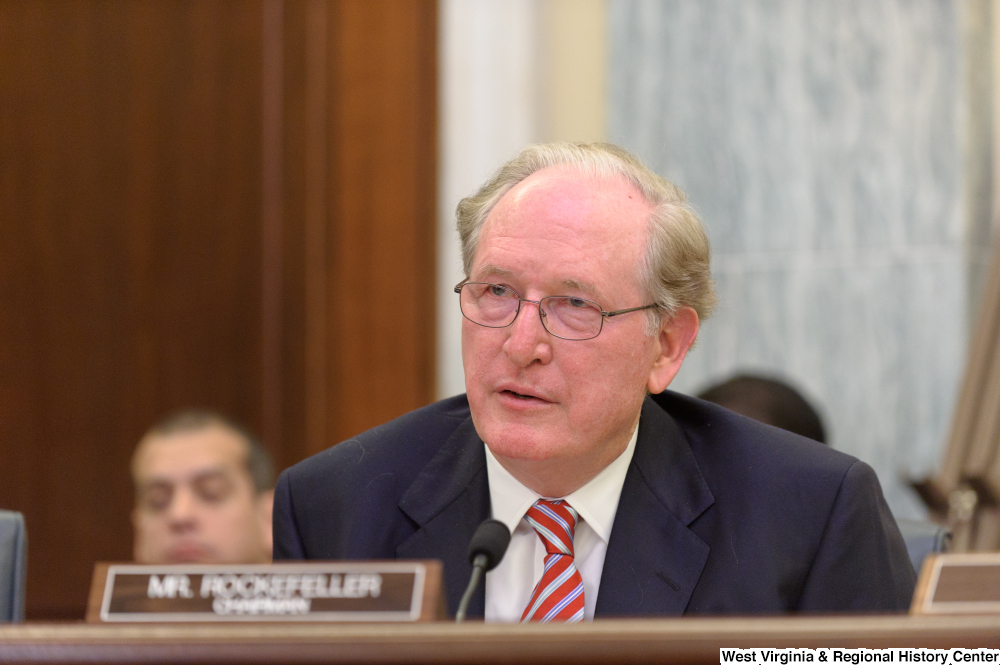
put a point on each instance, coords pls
(523, 436)
(524, 445)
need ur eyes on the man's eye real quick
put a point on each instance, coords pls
(157, 499)
(498, 291)
(578, 302)
(213, 490)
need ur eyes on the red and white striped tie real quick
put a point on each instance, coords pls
(558, 596)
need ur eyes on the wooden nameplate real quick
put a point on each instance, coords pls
(313, 591)
(967, 583)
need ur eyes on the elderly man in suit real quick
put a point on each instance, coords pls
(586, 278)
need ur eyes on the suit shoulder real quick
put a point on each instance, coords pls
(728, 444)
(792, 525)
(405, 443)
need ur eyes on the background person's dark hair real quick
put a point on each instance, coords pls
(259, 462)
(768, 401)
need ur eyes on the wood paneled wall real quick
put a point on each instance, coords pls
(220, 204)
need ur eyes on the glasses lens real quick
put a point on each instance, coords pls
(571, 318)
(488, 305)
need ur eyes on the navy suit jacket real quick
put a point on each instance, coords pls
(718, 513)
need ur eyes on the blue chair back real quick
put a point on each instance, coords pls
(13, 565)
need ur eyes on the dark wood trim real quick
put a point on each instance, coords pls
(272, 204)
(380, 249)
(317, 109)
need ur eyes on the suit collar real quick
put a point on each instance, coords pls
(668, 466)
(447, 501)
(654, 560)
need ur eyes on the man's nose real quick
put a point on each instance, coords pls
(528, 341)
(183, 509)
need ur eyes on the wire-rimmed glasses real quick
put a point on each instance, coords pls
(566, 317)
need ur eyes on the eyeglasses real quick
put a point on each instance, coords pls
(565, 317)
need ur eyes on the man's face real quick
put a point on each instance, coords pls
(535, 397)
(195, 501)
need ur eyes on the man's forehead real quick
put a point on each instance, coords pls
(184, 455)
(166, 478)
(563, 199)
(572, 183)
(587, 229)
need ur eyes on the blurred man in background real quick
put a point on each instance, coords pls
(769, 401)
(203, 492)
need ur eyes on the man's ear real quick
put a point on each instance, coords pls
(677, 334)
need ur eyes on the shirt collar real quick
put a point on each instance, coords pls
(596, 501)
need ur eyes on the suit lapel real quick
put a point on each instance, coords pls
(448, 500)
(653, 560)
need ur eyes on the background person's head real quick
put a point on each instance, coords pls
(203, 492)
(769, 401)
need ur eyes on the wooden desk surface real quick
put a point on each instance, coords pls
(684, 640)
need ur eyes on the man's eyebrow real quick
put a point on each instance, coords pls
(153, 483)
(210, 474)
(202, 474)
(490, 270)
(588, 288)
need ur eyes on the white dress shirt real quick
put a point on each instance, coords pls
(509, 585)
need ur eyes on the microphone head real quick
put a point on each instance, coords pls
(491, 539)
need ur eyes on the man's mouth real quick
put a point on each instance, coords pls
(522, 396)
(188, 553)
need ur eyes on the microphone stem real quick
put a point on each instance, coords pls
(478, 566)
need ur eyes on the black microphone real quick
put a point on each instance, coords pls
(486, 548)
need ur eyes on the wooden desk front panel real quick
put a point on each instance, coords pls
(685, 640)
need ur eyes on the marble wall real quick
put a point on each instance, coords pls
(839, 154)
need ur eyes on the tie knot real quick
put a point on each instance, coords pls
(554, 521)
